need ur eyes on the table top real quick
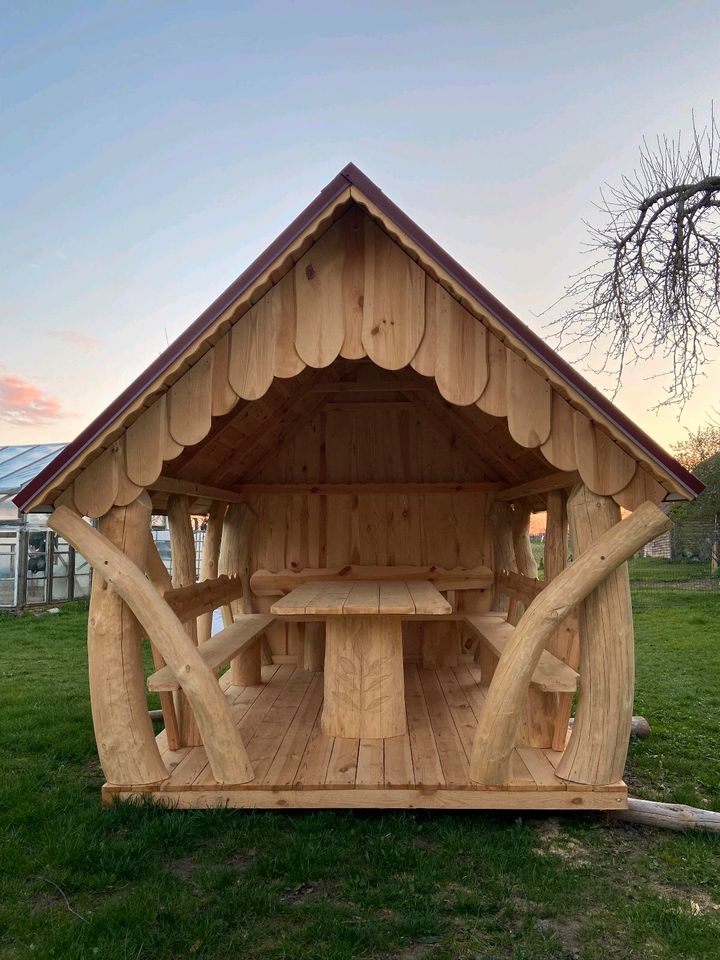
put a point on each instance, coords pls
(363, 597)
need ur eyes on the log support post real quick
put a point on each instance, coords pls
(235, 562)
(597, 749)
(563, 644)
(182, 544)
(225, 750)
(503, 710)
(209, 564)
(160, 578)
(314, 646)
(123, 728)
(501, 519)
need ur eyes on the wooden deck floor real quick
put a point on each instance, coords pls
(296, 765)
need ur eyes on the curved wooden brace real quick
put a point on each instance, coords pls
(503, 708)
(225, 750)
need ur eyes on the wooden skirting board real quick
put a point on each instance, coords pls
(297, 766)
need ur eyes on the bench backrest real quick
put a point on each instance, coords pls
(266, 583)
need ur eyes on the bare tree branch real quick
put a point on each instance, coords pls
(654, 287)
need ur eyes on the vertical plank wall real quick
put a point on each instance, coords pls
(390, 443)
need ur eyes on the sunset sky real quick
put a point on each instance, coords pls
(151, 150)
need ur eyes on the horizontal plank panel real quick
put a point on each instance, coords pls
(265, 583)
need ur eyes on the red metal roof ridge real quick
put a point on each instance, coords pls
(353, 176)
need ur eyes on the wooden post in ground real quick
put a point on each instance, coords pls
(182, 544)
(563, 643)
(210, 560)
(160, 579)
(235, 562)
(597, 749)
(123, 729)
(500, 519)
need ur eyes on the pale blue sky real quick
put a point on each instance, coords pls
(151, 150)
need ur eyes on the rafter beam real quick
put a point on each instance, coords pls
(552, 481)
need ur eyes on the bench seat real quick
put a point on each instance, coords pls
(551, 675)
(218, 650)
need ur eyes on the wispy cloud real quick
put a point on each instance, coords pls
(24, 404)
(79, 340)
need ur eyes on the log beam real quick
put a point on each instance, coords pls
(503, 709)
(123, 728)
(225, 750)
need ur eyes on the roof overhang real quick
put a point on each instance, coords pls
(348, 186)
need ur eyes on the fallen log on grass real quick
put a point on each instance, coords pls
(670, 816)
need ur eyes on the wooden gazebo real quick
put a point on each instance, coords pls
(369, 431)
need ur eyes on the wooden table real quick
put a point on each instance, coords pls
(364, 683)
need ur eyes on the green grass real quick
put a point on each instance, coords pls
(667, 571)
(160, 884)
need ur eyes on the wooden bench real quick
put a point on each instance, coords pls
(551, 675)
(218, 650)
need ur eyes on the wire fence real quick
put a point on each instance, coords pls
(686, 558)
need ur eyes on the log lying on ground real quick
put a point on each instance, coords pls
(670, 816)
(639, 727)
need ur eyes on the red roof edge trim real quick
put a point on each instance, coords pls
(527, 336)
(44, 479)
(352, 175)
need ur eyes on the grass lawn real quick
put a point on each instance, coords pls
(655, 569)
(162, 884)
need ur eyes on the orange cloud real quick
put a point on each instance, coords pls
(24, 404)
(75, 339)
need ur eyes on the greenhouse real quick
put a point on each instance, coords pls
(36, 566)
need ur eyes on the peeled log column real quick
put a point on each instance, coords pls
(522, 548)
(209, 561)
(123, 728)
(563, 643)
(501, 516)
(314, 646)
(160, 578)
(503, 709)
(235, 562)
(597, 749)
(225, 750)
(538, 726)
(182, 543)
